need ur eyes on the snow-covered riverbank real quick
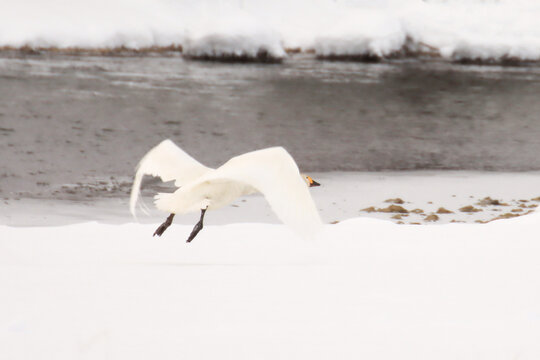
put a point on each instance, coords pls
(483, 31)
(402, 197)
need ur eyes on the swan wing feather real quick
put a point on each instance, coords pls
(169, 162)
(274, 173)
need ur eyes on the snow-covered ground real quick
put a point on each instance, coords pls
(472, 30)
(367, 289)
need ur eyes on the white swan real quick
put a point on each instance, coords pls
(272, 171)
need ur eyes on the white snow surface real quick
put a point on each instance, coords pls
(366, 289)
(485, 30)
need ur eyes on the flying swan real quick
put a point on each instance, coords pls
(272, 172)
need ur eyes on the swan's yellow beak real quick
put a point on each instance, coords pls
(312, 182)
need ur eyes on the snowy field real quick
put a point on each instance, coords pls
(478, 30)
(367, 288)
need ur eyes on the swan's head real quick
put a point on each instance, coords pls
(309, 181)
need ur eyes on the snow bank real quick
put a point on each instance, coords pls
(362, 33)
(89, 24)
(481, 31)
(369, 289)
(234, 35)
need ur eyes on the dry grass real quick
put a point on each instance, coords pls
(511, 215)
(395, 201)
(505, 216)
(411, 49)
(489, 201)
(261, 57)
(469, 209)
(394, 209)
(442, 210)
(116, 51)
(292, 51)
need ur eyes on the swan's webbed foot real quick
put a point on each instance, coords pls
(198, 227)
(161, 229)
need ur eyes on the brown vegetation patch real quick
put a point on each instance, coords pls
(394, 209)
(431, 217)
(511, 215)
(469, 209)
(417, 211)
(489, 201)
(442, 210)
(296, 50)
(116, 51)
(505, 216)
(369, 209)
(395, 201)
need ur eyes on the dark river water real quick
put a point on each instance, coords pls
(76, 126)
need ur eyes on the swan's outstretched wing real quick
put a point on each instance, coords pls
(275, 174)
(169, 162)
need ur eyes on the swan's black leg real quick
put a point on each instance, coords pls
(198, 227)
(161, 229)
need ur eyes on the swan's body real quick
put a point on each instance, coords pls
(271, 171)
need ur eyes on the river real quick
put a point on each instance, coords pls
(73, 122)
